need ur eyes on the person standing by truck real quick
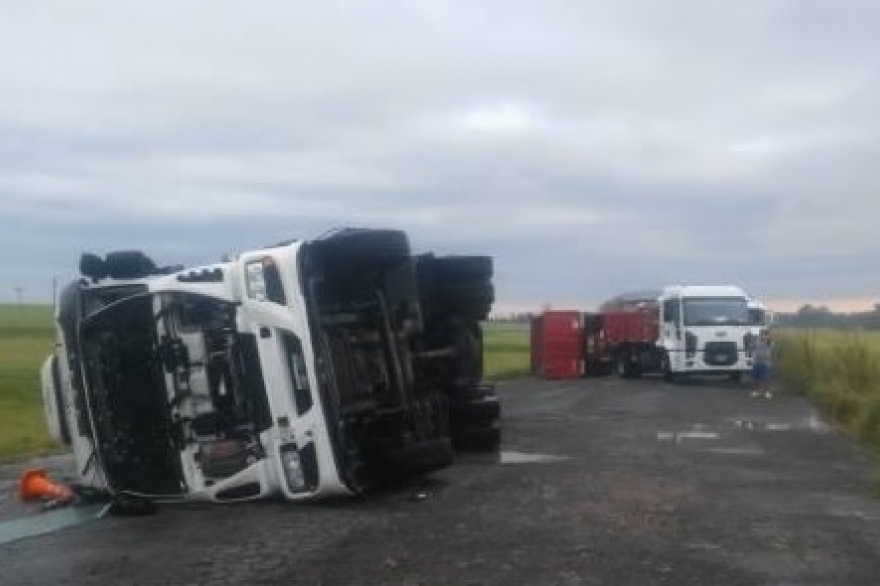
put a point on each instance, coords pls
(762, 362)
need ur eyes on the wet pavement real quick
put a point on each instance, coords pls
(598, 482)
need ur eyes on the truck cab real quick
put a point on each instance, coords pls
(704, 329)
(760, 318)
(304, 369)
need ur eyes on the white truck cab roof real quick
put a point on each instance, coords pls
(703, 291)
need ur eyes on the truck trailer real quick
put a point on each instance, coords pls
(302, 370)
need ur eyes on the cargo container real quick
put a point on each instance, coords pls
(557, 345)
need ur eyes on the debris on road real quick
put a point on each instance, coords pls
(35, 485)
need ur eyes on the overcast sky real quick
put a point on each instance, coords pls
(591, 147)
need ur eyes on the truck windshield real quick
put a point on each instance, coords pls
(718, 311)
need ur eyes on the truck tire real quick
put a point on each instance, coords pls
(474, 410)
(470, 300)
(346, 254)
(621, 368)
(129, 264)
(666, 368)
(636, 370)
(625, 367)
(92, 266)
(477, 439)
(468, 291)
(466, 368)
(473, 418)
(368, 243)
(419, 458)
(464, 268)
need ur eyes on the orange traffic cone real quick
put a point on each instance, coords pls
(35, 485)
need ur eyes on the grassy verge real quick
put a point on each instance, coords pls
(840, 372)
(26, 338)
(506, 350)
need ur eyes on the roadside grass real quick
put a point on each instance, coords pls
(505, 350)
(840, 372)
(26, 338)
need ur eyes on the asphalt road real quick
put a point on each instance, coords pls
(598, 482)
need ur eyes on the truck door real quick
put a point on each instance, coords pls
(671, 328)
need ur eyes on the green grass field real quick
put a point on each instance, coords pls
(506, 351)
(26, 338)
(840, 372)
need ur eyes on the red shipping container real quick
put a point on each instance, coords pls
(557, 345)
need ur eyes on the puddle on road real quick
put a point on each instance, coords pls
(812, 423)
(523, 458)
(48, 522)
(680, 436)
(704, 432)
(737, 451)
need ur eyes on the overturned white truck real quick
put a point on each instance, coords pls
(304, 369)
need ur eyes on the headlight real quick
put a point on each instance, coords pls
(256, 280)
(293, 469)
(263, 279)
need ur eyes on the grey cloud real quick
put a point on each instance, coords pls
(591, 147)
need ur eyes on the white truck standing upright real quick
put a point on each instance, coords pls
(685, 330)
(301, 370)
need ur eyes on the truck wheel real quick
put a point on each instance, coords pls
(419, 458)
(478, 439)
(129, 264)
(466, 339)
(470, 299)
(473, 418)
(635, 370)
(92, 266)
(477, 409)
(464, 268)
(666, 368)
(348, 253)
(621, 366)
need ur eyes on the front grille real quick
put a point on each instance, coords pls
(720, 353)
